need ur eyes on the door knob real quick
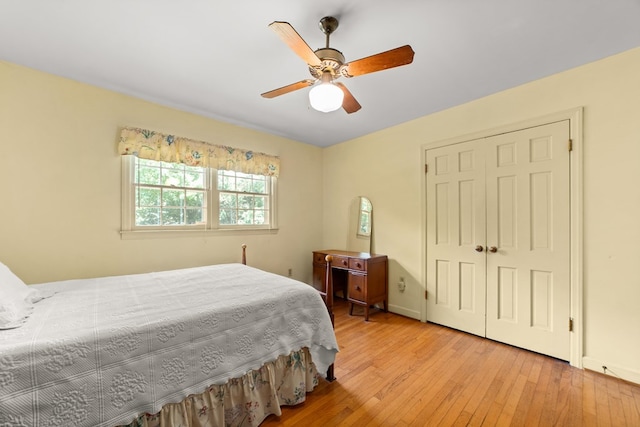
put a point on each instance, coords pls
(479, 248)
(493, 249)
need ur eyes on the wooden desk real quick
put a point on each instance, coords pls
(363, 275)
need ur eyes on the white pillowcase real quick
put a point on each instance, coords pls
(16, 299)
(13, 313)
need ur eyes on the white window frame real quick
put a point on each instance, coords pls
(131, 231)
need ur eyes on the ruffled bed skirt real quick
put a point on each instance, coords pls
(244, 401)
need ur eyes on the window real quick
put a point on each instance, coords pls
(244, 198)
(174, 196)
(169, 194)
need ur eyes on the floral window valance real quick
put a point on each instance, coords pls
(152, 145)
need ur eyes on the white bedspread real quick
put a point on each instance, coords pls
(100, 351)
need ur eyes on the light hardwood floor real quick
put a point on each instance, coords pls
(395, 371)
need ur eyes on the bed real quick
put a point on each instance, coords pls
(220, 345)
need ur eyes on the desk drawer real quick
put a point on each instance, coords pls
(340, 261)
(357, 287)
(357, 264)
(319, 258)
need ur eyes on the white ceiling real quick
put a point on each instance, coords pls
(215, 58)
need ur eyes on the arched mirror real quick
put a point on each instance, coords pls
(360, 225)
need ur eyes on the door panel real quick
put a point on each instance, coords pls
(507, 294)
(528, 221)
(456, 225)
(505, 199)
(509, 192)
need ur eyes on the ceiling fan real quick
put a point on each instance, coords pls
(327, 64)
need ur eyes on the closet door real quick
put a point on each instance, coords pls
(498, 239)
(456, 273)
(528, 283)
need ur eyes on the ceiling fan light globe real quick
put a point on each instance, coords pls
(326, 97)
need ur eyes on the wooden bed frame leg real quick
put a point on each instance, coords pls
(328, 281)
(244, 254)
(330, 376)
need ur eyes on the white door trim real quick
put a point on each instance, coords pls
(575, 117)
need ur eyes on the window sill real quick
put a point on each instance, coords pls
(172, 234)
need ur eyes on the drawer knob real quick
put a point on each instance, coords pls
(358, 265)
(357, 288)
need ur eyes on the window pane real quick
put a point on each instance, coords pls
(228, 200)
(173, 175)
(226, 180)
(194, 179)
(148, 175)
(172, 216)
(172, 198)
(260, 217)
(148, 196)
(245, 201)
(195, 198)
(147, 216)
(245, 216)
(260, 202)
(243, 184)
(194, 216)
(228, 217)
(259, 186)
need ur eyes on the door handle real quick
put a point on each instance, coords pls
(493, 249)
(479, 248)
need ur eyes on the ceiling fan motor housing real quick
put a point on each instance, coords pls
(332, 61)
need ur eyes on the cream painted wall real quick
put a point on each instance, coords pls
(60, 185)
(391, 174)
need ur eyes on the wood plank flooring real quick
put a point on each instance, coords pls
(395, 371)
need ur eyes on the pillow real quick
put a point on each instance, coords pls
(13, 311)
(16, 287)
(16, 299)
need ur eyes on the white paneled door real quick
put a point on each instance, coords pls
(456, 236)
(498, 239)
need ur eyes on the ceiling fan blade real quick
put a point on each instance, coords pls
(288, 88)
(291, 37)
(349, 104)
(381, 61)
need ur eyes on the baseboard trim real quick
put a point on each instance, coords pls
(404, 311)
(612, 370)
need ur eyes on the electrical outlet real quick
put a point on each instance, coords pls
(401, 285)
